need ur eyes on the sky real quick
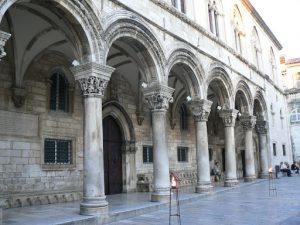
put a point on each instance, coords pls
(283, 18)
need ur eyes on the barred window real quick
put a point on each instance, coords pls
(58, 151)
(182, 154)
(59, 93)
(147, 154)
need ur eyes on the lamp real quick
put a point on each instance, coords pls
(144, 85)
(219, 108)
(174, 180)
(239, 114)
(188, 98)
(75, 63)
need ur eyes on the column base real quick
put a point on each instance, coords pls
(200, 188)
(93, 206)
(264, 175)
(231, 182)
(250, 179)
(160, 196)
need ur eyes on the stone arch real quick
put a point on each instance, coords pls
(80, 17)
(219, 78)
(195, 80)
(84, 14)
(243, 95)
(260, 106)
(117, 111)
(128, 26)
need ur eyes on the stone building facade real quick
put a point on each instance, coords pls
(290, 70)
(108, 96)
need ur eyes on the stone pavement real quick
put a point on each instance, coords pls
(249, 203)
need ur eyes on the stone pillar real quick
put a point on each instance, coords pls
(248, 123)
(93, 79)
(158, 97)
(3, 39)
(201, 109)
(263, 148)
(228, 116)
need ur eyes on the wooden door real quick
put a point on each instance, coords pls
(112, 144)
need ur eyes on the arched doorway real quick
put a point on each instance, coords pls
(112, 146)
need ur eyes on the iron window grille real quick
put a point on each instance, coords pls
(57, 151)
(182, 154)
(147, 154)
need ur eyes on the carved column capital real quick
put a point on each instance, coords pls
(3, 38)
(228, 116)
(200, 108)
(93, 78)
(158, 96)
(261, 127)
(248, 122)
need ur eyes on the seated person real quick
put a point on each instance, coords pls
(284, 168)
(295, 167)
(216, 171)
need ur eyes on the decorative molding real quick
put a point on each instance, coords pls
(200, 108)
(140, 116)
(228, 116)
(3, 39)
(158, 96)
(128, 147)
(248, 122)
(261, 127)
(18, 96)
(93, 78)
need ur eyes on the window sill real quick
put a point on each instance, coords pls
(58, 167)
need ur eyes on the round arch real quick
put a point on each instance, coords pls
(83, 13)
(260, 106)
(243, 97)
(119, 26)
(220, 81)
(195, 79)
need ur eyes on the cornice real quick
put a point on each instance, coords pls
(261, 22)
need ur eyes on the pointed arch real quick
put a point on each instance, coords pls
(256, 48)
(238, 30)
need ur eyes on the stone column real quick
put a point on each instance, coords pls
(93, 79)
(228, 116)
(158, 97)
(201, 109)
(3, 39)
(248, 123)
(263, 152)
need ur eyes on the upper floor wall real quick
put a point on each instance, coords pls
(234, 26)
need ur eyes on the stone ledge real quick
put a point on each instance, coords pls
(16, 201)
